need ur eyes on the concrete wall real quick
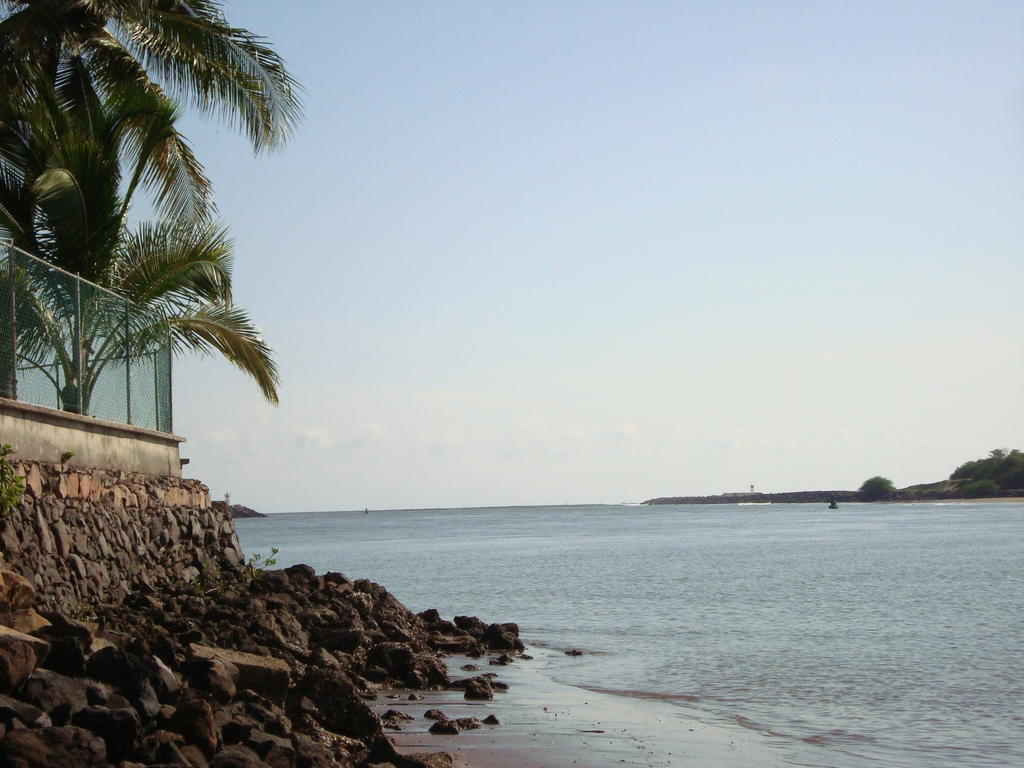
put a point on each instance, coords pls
(85, 537)
(43, 434)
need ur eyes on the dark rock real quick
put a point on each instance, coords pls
(59, 696)
(455, 644)
(65, 626)
(415, 697)
(503, 637)
(194, 755)
(445, 728)
(165, 681)
(212, 675)
(430, 616)
(469, 668)
(345, 640)
(28, 715)
(472, 625)
(128, 675)
(491, 720)
(96, 693)
(573, 652)
(275, 751)
(237, 756)
(428, 760)
(435, 714)
(270, 715)
(393, 719)
(236, 724)
(67, 656)
(479, 688)
(502, 660)
(119, 729)
(306, 572)
(311, 754)
(18, 657)
(339, 707)
(194, 721)
(162, 746)
(53, 747)
(263, 673)
(395, 658)
(468, 723)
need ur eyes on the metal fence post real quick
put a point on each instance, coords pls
(127, 362)
(170, 384)
(156, 387)
(11, 386)
(79, 348)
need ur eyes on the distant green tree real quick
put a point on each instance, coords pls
(978, 489)
(877, 488)
(1002, 467)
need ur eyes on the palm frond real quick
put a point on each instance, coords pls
(216, 67)
(170, 265)
(227, 329)
(160, 158)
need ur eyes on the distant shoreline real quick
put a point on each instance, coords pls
(824, 497)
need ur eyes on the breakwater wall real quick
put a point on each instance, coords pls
(89, 536)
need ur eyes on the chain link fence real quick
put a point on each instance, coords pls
(71, 345)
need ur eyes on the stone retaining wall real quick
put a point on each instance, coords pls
(88, 536)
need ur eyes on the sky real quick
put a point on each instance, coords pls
(575, 252)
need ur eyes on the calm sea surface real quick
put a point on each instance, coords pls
(875, 635)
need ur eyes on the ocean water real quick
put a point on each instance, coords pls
(875, 635)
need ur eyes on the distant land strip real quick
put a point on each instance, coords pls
(823, 497)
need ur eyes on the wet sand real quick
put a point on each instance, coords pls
(545, 724)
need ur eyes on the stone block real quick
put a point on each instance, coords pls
(16, 590)
(19, 656)
(263, 674)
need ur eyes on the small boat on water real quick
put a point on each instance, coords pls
(832, 503)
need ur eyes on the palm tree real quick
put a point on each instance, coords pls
(68, 178)
(120, 47)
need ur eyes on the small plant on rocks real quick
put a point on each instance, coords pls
(257, 563)
(11, 486)
(209, 579)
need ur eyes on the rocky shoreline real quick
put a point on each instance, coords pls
(236, 511)
(239, 668)
(824, 497)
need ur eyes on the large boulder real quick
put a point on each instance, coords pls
(503, 637)
(479, 688)
(17, 591)
(194, 720)
(216, 676)
(19, 656)
(17, 714)
(472, 625)
(237, 756)
(263, 674)
(119, 729)
(53, 747)
(275, 751)
(339, 707)
(128, 674)
(59, 696)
